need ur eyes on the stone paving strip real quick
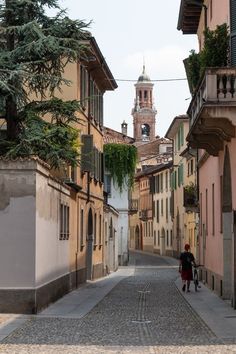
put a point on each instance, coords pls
(144, 312)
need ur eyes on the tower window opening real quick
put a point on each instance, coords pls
(145, 95)
(140, 95)
(145, 130)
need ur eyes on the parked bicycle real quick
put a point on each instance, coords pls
(196, 276)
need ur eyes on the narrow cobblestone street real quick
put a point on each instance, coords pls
(144, 313)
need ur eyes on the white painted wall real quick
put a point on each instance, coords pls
(111, 244)
(17, 225)
(119, 200)
(31, 253)
(52, 254)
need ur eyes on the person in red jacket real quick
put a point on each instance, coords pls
(186, 260)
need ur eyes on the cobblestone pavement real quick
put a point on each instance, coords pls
(144, 313)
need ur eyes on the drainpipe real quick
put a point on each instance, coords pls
(77, 247)
(89, 132)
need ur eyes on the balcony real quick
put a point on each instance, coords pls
(133, 206)
(145, 214)
(190, 198)
(212, 110)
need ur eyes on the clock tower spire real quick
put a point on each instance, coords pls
(144, 112)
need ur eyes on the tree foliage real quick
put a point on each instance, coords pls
(215, 53)
(34, 52)
(120, 161)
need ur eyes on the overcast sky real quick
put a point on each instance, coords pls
(128, 30)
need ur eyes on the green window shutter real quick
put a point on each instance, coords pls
(182, 134)
(233, 32)
(96, 164)
(87, 153)
(179, 177)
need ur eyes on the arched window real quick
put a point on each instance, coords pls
(145, 130)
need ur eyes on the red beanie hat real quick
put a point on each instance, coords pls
(187, 247)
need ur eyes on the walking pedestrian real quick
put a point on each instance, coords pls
(186, 260)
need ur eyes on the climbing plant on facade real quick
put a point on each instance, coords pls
(120, 161)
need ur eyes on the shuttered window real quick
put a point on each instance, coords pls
(157, 211)
(180, 175)
(233, 31)
(152, 184)
(87, 153)
(83, 87)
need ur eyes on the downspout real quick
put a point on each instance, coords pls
(89, 132)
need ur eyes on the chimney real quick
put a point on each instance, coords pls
(124, 128)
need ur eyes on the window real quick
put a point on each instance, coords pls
(105, 226)
(167, 209)
(95, 229)
(157, 184)
(221, 200)
(211, 9)
(167, 238)
(100, 230)
(96, 103)
(87, 153)
(107, 184)
(167, 181)
(180, 136)
(157, 213)
(161, 180)
(83, 87)
(81, 228)
(158, 238)
(155, 238)
(171, 238)
(162, 211)
(200, 216)
(206, 212)
(64, 222)
(213, 208)
(190, 167)
(180, 175)
(97, 165)
(174, 180)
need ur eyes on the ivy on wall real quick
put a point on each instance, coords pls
(120, 161)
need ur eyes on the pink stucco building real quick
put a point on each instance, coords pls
(212, 114)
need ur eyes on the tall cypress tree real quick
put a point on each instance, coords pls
(34, 51)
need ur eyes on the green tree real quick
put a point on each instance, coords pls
(34, 51)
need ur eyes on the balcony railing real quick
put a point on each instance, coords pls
(143, 215)
(190, 198)
(133, 205)
(218, 86)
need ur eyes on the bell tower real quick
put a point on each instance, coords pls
(144, 112)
